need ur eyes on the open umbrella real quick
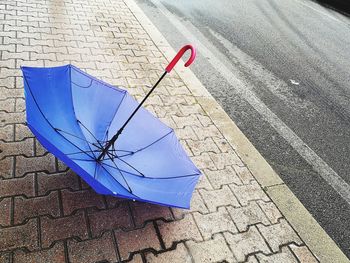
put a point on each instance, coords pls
(107, 137)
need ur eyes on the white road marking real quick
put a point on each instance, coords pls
(320, 12)
(318, 164)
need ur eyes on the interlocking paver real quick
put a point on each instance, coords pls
(49, 182)
(243, 244)
(246, 193)
(219, 178)
(185, 229)
(115, 218)
(215, 222)
(5, 208)
(214, 250)
(18, 186)
(93, 250)
(136, 240)
(279, 234)
(303, 253)
(23, 236)
(247, 215)
(180, 255)
(220, 197)
(52, 255)
(145, 212)
(29, 207)
(81, 199)
(285, 256)
(62, 228)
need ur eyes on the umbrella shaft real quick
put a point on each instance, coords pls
(115, 137)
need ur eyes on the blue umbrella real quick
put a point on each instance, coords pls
(107, 137)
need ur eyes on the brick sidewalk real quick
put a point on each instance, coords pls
(48, 214)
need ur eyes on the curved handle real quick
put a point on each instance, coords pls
(179, 55)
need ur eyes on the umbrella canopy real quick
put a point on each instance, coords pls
(106, 137)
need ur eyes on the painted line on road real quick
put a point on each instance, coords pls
(321, 12)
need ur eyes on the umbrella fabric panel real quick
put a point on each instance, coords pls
(49, 106)
(165, 158)
(95, 103)
(143, 129)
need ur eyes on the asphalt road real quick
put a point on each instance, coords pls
(281, 70)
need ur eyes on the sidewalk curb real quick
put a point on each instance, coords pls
(293, 210)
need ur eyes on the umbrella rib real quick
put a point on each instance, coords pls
(160, 178)
(129, 190)
(105, 137)
(149, 145)
(81, 152)
(90, 132)
(31, 93)
(121, 174)
(130, 166)
(73, 135)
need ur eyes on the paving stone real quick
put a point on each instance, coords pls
(180, 255)
(243, 244)
(285, 256)
(7, 105)
(206, 145)
(247, 215)
(203, 161)
(279, 234)
(136, 259)
(18, 186)
(62, 228)
(182, 122)
(246, 193)
(93, 250)
(6, 167)
(220, 197)
(244, 174)
(214, 250)
(5, 257)
(35, 164)
(143, 212)
(222, 160)
(24, 147)
(203, 183)
(10, 118)
(197, 205)
(72, 201)
(22, 132)
(24, 236)
(52, 255)
(7, 133)
(49, 182)
(217, 178)
(114, 218)
(303, 254)
(137, 240)
(213, 223)
(185, 229)
(113, 201)
(271, 211)
(25, 208)
(186, 133)
(5, 215)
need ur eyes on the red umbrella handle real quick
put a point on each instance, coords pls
(179, 55)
